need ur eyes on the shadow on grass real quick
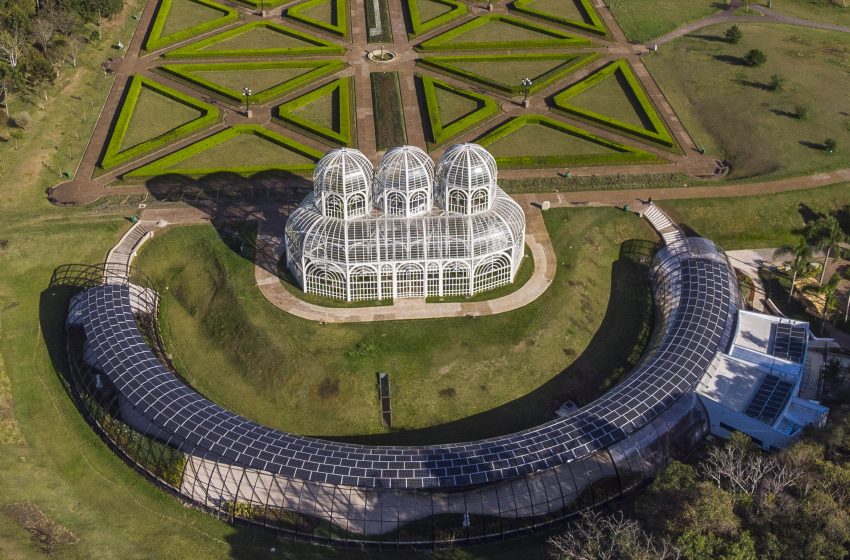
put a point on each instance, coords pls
(813, 145)
(614, 349)
(753, 84)
(783, 113)
(729, 59)
(711, 38)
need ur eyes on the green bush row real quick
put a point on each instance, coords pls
(596, 25)
(165, 165)
(155, 40)
(558, 38)
(287, 110)
(659, 132)
(187, 72)
(265, 4)
(487, 107)
(195, 50)
(341, 7)
(622, 153)
(418, 27)
(571, 63)
(114, 156)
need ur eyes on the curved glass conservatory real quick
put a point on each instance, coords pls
(405, 229)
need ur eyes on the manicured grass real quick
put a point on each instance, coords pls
(757, 221)
(507, 370)
(258, 38)
(327, 15)
(453, 110)
(152, 115)
(388, 111)
(540, 141)
(326, 112)
(825, 11)
(505, 72)
(643, 20)
(575, 13)
(425, 15)
(758, 132)
(496, 31)
(178, 20)
(243, 149)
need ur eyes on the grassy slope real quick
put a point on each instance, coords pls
(825, 11)
(726, 107)
(757, 221)
(642, 20)
(320, 379)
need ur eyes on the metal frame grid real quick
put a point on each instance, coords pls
(406, 247)
(401, 496)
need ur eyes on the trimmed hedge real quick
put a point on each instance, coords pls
(556, 38)
(622, 153)
(265, 3)
(341, 7)
(194, 50)
(596, 25)
(418, 27)
(286, 111)
(155, 40)
(320, 68)
(166, 165)
(659, 132)
(487, 107)
(571, 63)
(114, 156)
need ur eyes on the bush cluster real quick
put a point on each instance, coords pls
(286, 111)
(658, 133)
(113, 155)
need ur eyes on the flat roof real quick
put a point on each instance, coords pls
(773, 336)
(731, 382)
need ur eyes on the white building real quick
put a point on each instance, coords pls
(754, 388)
(405, 229)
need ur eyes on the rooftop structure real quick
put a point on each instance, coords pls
(405, 230)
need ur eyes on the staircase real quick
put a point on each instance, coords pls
(117, 266)
(663, 225)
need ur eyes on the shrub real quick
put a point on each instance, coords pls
(755, 57)
(198, 48)
(801, 112)
(658, 132)
(339, 28)
(487, 107)
(733, 35)
(22, 120)
(417, 26)
(155, 40)
(286, 112)
(596, 25)
(829, 145)
(776, 83)
(113, 155)
(555, 38)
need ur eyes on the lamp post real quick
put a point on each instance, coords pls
(246, 93)
(526, 88)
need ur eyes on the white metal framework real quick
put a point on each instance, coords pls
(411, 243)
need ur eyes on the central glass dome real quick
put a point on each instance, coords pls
(404, 181)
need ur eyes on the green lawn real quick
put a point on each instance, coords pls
(757, 221)
(826, 11)
(643, 20)
(155, 114)
(185, 14)
(453, 106)
(257, 38)
(428, 9)
(613, 97)
(256, 80)
(727, 108)
(541, 140)
(463, 378)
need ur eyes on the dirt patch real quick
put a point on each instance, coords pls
(47, 536)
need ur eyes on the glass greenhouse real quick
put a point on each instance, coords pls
(405, 229)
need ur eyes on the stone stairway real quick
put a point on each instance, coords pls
(118, 260)
(663, 225)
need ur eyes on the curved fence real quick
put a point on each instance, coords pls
(402, 496)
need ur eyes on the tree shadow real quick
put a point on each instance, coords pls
(813, 145)
(783, 113)
(753, 84)
(729, 59)
(610, 355)
(809, 216)
(710, 38)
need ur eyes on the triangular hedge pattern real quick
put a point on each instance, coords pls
(115, 154)
(505, 72)
(539, 141)
(294, 74)
(618, 74)
(491, 32)
(333, 105)
(422, 21)
(446, 125)
(584, 16)
(254, 147)
(254, 39)
(336, 20)
(158, 36)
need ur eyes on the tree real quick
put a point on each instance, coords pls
(755, 57)
(11, 81)
(73, 46)
(827, 233)
(13, 42)
(733, 35)
(801, 112)
(42, 33)
(830, 298)
(829, 145)
(801, 253)
(776, 83)
(612, 537)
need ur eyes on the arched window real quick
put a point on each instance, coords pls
(410, 281)
(457, 202)
(363, 281)
(418, 203)
(333, 207)
(395, 204)
(356, 206)
(480, 201)
(455, 279)
(325, 280)
(495, 271)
